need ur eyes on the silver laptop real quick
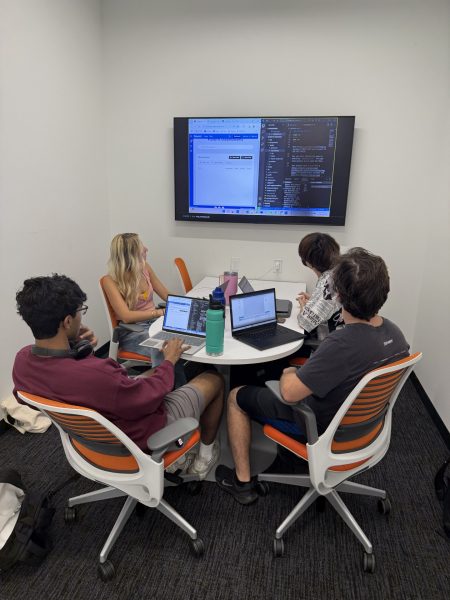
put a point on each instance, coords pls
(184, 318)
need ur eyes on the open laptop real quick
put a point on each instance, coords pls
(184, 318)
(223, 286)
(254, 321)
(283, 307)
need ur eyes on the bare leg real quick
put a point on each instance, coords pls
(211, 387)
(239, 434)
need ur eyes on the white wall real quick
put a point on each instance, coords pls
(53, 214)
(433, 322)
(385, 62)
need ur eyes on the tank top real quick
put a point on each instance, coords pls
(145, 299)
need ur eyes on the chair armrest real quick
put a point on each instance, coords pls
(309, 419)
(305, 412)
(171, 435)
(274, 387)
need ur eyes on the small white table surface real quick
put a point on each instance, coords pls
(234, 351)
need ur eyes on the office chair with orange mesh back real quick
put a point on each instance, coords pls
(100, 451)
(183, 274)
(128, 359)
(357, 439)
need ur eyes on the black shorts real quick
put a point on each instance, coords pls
(263, 406)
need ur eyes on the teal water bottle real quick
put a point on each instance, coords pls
(215, 328)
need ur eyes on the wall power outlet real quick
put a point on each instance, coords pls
(234, 263)
(277, 265)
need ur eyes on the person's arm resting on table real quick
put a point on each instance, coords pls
(291, 386)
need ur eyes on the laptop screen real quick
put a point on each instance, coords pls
(185, 315)
(250, 310)
(245, 285)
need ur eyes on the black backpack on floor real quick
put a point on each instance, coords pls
(442, 487)
(29, 515)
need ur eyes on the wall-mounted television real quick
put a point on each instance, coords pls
(262, 169)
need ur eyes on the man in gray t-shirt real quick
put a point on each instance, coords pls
(342, 359)
(366, 342)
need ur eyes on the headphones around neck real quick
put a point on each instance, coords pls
(77, 350)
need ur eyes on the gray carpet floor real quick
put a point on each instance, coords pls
(322, 558)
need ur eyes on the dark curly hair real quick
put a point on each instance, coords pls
(361, 281)
(43, 302)
(319, 250)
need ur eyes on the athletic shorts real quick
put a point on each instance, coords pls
(185, 401)
(263, 406)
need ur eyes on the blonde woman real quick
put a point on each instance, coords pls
(129, 286)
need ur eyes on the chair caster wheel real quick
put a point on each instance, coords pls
(70, 514)
(321, 504)
(106, 571)
(194, 487)
(369, 563)
(262, 488)
(278, 547)
(384, 506)
(197, 547)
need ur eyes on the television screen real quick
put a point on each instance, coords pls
(262, 169)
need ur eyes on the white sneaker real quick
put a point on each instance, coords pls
(183, 463)
(202, 466)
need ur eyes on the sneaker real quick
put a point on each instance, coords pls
(183, 463)
(244, 494)
(202, 466)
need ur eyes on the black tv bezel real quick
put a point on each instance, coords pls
(339, 194)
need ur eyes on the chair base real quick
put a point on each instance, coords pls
(107, 493)
(333, 498)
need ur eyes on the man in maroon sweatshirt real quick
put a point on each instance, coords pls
(61, 366)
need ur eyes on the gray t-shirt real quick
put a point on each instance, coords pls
(341, 361)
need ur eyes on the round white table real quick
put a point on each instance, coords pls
(234, 351)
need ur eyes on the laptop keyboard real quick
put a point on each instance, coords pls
(188, 339)
(260, 333)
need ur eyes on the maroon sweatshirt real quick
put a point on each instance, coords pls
(134, 405)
